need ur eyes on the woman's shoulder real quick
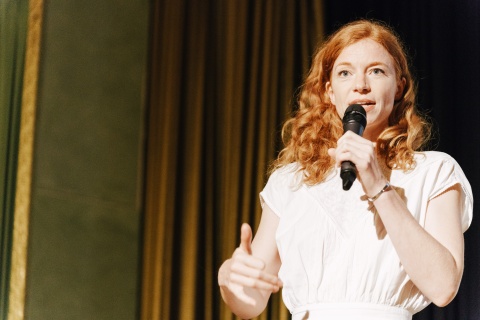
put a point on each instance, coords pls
(281, 186)
(286, 171)
(288, 175)
(427, 158)
(441, 169)
(432, 164)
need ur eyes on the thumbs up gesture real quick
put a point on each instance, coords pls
(244, 271)
(246, 239)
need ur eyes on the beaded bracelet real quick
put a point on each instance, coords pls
(375, 197)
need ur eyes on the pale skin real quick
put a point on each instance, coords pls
(432, 256)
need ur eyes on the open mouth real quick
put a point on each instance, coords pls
(366, 104)
(368, 107)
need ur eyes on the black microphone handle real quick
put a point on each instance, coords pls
(354, 119)
(348, 173)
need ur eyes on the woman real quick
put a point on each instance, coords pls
(391, 244)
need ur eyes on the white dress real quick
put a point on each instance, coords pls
(337, 260)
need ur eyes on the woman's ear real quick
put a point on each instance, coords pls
(329, 91)
(400, 88)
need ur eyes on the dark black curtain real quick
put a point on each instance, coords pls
(443, 40)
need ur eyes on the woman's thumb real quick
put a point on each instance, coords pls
(246, 238)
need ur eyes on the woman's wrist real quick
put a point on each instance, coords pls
(386, 187)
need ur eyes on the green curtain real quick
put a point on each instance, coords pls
(223, 78)
(13, 31)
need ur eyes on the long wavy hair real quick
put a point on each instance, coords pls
(316, 126)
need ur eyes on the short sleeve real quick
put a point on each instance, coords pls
(279, 189)
(448, 174)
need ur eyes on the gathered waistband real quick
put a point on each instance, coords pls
(349, 311)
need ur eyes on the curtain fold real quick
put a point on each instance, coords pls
(13, 32)
(22, 61)
(223, 75)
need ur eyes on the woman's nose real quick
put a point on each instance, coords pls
(361, 84)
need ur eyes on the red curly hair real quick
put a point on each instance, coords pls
(316, 126)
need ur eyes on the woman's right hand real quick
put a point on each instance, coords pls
(244, 271)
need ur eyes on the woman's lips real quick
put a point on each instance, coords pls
(368, 107)
(366, 104)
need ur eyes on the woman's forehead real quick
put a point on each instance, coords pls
(364, 51)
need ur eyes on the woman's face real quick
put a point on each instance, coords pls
(364, 73)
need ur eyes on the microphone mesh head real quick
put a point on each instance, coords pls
(355, 112)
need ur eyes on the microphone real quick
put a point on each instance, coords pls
(354, 119)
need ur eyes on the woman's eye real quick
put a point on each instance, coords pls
(377, 71)
(343, 73)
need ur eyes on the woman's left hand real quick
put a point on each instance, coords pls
(361, 152)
